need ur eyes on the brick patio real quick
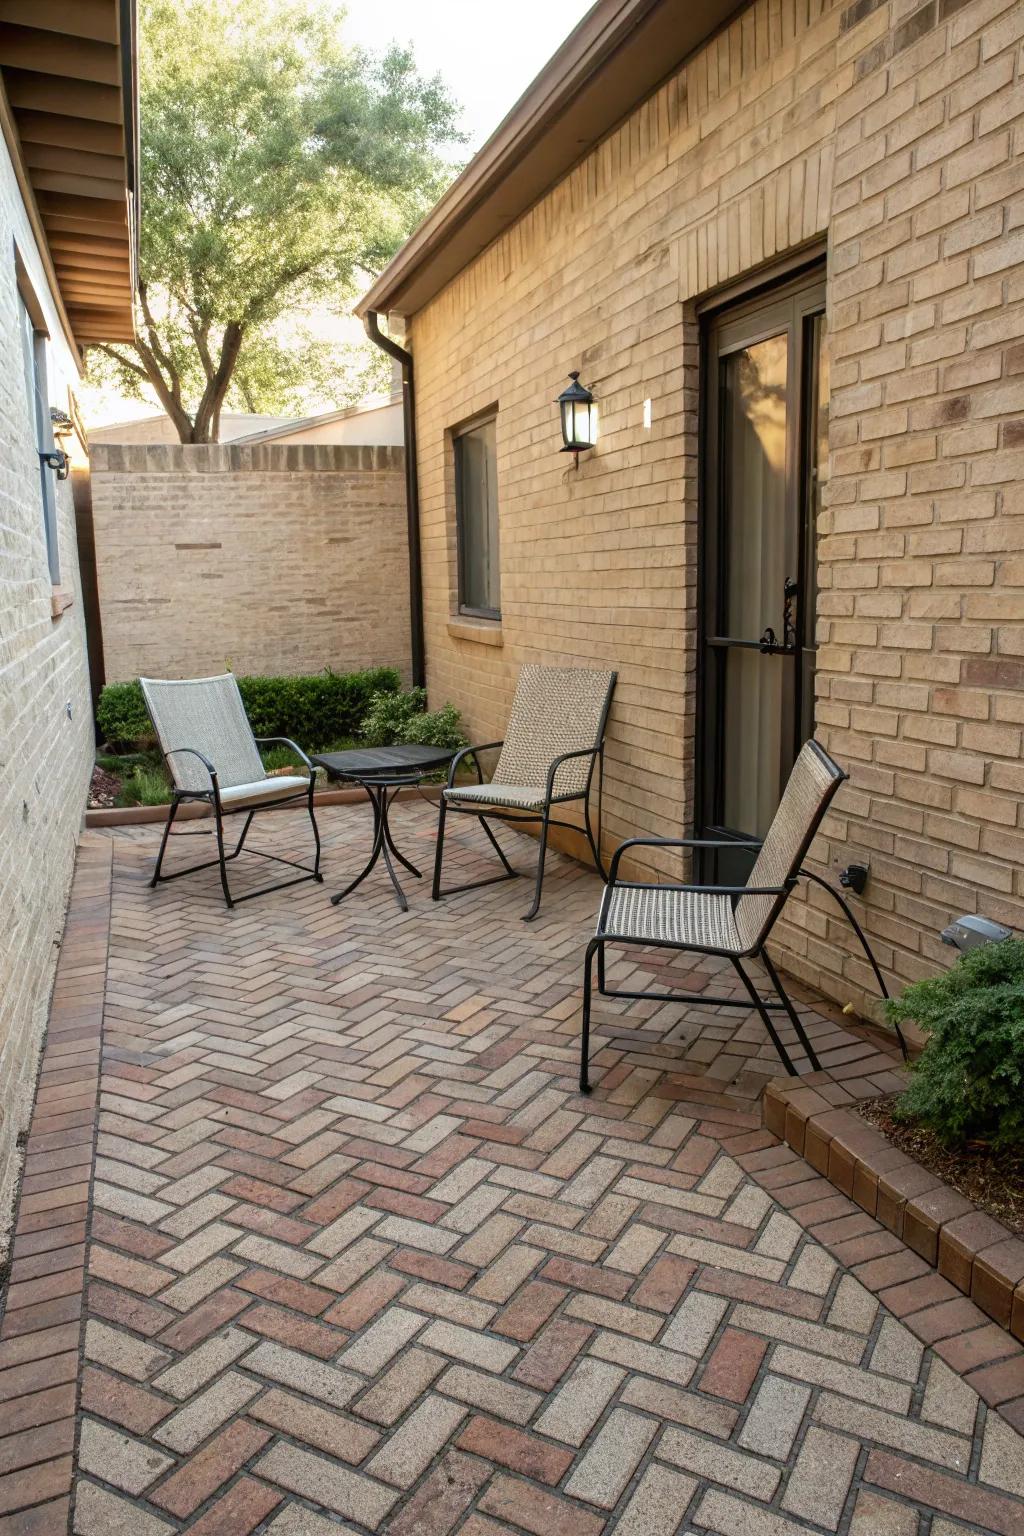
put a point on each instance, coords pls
(361, 1259)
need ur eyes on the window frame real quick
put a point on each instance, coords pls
(34, 341)
(466, 609)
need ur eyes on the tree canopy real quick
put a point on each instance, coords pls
(280, 169)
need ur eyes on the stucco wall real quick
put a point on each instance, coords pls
(45, 756)
(895, 133)
(265, 559)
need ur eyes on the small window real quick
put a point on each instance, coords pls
(33, 343)
(476, 508)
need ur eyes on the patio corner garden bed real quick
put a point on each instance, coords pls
(941, 1164)
(992, 1181)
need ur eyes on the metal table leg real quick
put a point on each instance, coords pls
(383, 844)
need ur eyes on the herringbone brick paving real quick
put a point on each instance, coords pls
(361, 1259)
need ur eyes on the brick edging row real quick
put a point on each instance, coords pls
(969, 1248)
(41, 1340)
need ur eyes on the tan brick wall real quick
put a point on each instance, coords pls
(894, 133)
(265, 559)
(46, 738)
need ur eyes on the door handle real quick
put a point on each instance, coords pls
(769, 644)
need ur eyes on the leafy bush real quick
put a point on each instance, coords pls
(314, 710)
(145, 786)
(969, 1081)
(401, 719)
(122, 716)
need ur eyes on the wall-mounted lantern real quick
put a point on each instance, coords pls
(578, 410)
(63, 429)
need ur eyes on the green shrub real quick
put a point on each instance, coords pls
(314, 710)
(968, 1083)
(145, 786)
(122, 716)
(401, 719)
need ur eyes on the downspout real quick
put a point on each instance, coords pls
(412, 491)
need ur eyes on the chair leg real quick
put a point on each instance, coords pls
(499, 850)
(241, 841)
(535, 907)
(595, 845)
(435, 893)
(765, 1019)
(794, 1017)
(168, 824)
(220, 856)
(317, 876)
(588, 966)
(600, 969)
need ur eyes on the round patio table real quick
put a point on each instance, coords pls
(382, 772)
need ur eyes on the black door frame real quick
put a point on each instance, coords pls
(808, 272)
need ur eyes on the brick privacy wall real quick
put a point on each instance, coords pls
(266, 559)
(895, 132)
(45, 757)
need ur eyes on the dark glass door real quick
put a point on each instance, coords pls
(765, 450)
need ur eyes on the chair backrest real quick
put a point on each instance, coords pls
(812, 783)
(555, 710)
(206, 714)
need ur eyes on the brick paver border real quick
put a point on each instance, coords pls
(40, 1322)
(974, 1255)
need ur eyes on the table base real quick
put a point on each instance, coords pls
(381, 797)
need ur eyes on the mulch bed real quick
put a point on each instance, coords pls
(104, 790)
(994, 1181)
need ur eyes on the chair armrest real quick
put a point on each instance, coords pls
(675, 842)
(719, 842)
(211, 770)
(706, 890)
(284, 741)
(486, 746)
(566, 757)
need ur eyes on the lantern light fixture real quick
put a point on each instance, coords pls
(578, 410)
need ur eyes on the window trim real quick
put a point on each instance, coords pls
(463, 609)
(39, 411)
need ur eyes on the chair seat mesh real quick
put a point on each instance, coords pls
(667, 915)
(522, 797)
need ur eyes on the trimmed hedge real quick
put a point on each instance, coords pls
(314, 711)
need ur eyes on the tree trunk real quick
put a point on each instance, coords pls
(206, 428)
(157, 369)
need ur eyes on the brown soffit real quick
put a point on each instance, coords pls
(69, 114)
(619, 54)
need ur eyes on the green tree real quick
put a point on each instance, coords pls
(280, 168)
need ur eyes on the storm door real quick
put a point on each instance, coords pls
(765, 450)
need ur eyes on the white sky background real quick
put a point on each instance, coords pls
(487, 56)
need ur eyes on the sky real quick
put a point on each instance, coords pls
(487, 54)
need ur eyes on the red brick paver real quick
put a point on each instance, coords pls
(362, 1259)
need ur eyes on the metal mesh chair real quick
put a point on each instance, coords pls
(552, 745)
(731, 921)
(213, 756)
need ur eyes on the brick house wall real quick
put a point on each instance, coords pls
(893, 134)
(266, 558)
(46, 736)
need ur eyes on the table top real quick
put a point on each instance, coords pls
(384, 762)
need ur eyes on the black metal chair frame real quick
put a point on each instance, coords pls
(758, 951)
(543, 818)
(212, 798)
